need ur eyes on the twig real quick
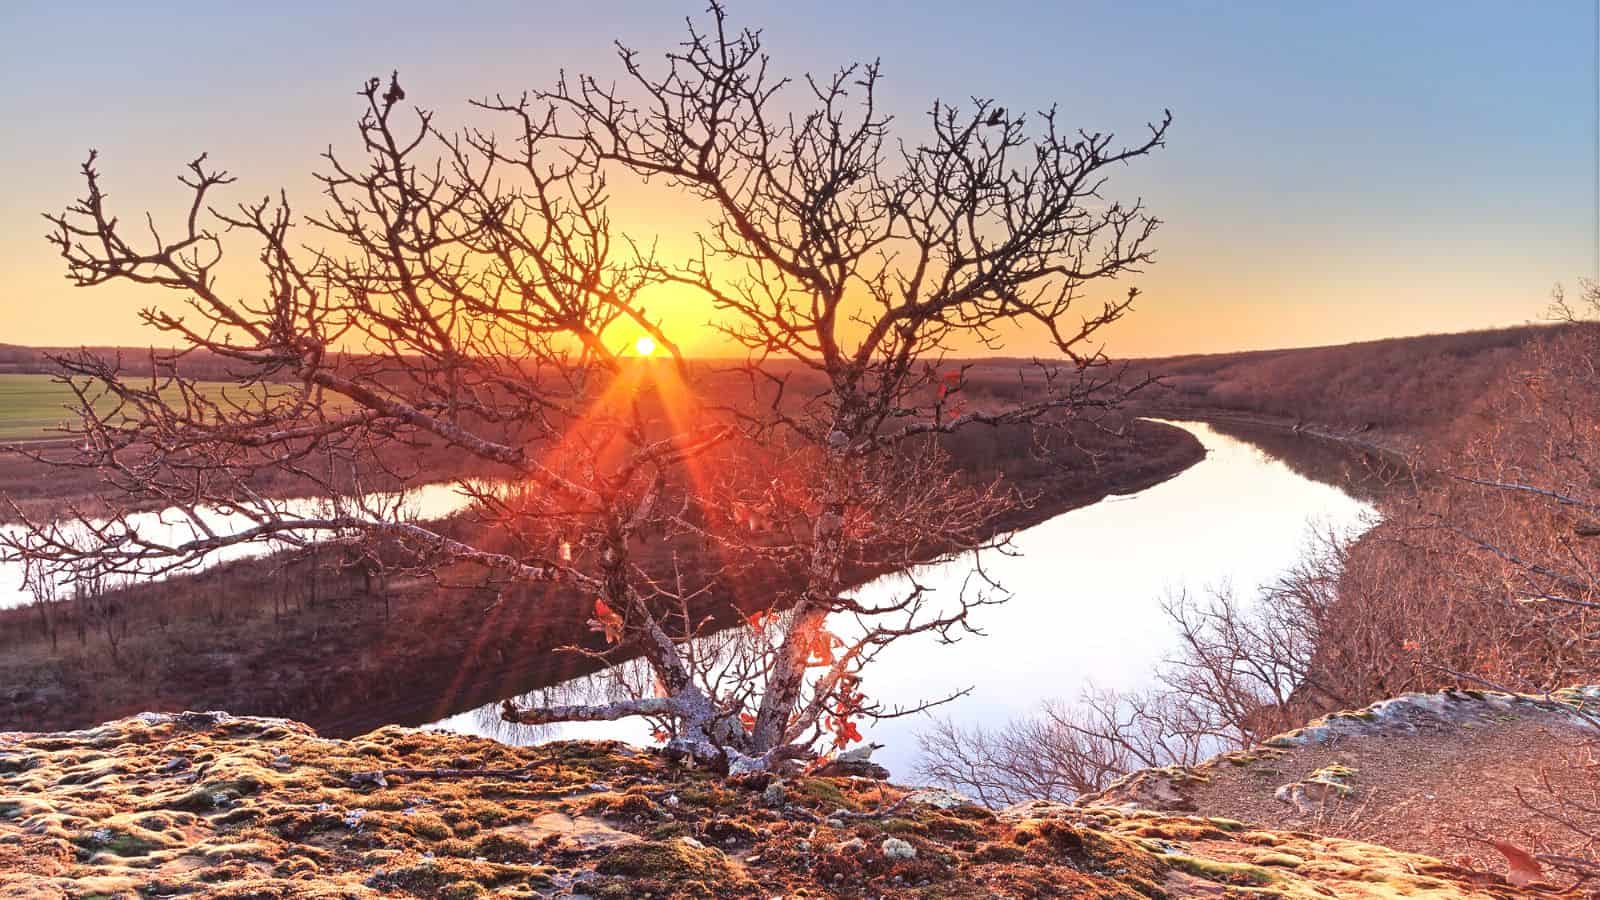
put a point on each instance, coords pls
(380, 776)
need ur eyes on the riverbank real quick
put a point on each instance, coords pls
(268, 637)
(163, 805)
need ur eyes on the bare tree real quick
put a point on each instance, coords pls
(457, 297)
(462, 293)
(1510, 529)
(1245, 670)
(837, 253)
(47, 598)
(1067, 750)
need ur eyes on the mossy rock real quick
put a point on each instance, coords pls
(998, 853)
(453, 878)
(632, 804)
(503, 848)
(1182, 830)
(242, 852)
(674, 862)
(215, 795)
(1088, 850)
(726, 831)
(1336, 776)
(17, 763)
(1333, 773)
(118, 842)
(710, 795)
(822, 790)
(1238, 874)
(426, 825)
(898, 825)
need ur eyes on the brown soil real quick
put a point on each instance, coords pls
(214, 805)
(1415, 779)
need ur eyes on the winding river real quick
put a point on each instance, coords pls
(174, 526)
(1086, 592)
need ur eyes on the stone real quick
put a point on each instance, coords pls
(896, 848)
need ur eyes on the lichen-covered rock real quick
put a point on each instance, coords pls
(1408, 712)
(1171, 788)
(1429, 773)
(895, 848)
(1330, 782)
(266, 808)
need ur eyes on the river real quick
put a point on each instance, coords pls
(175, 526)
(1086, 592)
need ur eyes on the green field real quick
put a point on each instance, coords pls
(33, 407)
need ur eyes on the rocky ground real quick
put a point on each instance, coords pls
(1448, 774)
(205, 803)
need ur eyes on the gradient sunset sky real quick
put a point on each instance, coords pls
(1336, 171)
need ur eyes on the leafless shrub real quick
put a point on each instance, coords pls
(1569, 813)
(1244, 671)
(1068, 749)
(47, 599)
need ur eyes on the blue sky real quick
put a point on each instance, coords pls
(1336, 171)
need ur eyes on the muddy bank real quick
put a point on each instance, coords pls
(268, 638)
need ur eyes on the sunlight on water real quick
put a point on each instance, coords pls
(1086, 593)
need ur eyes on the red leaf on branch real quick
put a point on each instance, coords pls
(606, 621)
(949, 383)
(1523, 869)
(844, 731)
(748, 721)
(821, 647)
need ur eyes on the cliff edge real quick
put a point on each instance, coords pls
(207, 803)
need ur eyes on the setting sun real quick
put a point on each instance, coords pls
(645, 345)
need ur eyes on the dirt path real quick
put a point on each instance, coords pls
(1435, 774)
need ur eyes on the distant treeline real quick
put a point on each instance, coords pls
(1404, 384)
(136, 361)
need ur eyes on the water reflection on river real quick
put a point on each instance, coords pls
(174, 527)
(1086, 594)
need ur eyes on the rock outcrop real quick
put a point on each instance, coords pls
(209, 804)
(1449, 774)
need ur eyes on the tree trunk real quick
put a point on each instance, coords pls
(822, 588)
